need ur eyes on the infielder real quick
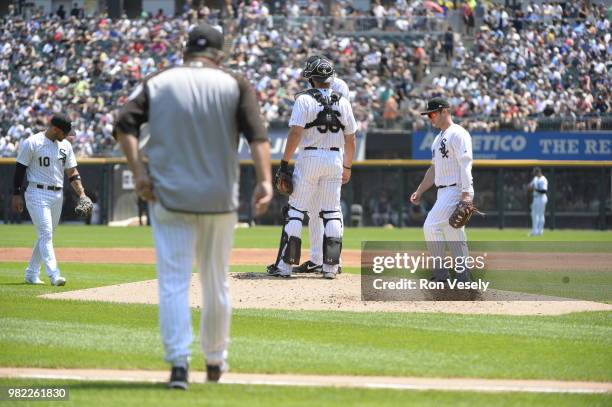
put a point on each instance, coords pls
(315, 223)
(322, 125)
(44, 157)
(451, 173)
(195, 114)
(538, 186)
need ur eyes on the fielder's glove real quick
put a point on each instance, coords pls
(84, 207)
(283, 179)
(462, 214)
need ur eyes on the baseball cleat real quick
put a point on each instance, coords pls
(329, 275)
(34, 281)
(178, 378)
(58, 281)
(272, 270)
(214, 372)
(308, 267)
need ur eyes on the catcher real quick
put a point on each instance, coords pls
(451, 173)
(323, 126)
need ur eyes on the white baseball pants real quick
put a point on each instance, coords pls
(317, 182)
(45, 208)
(437, 230)
(538, 214)
(179, 239)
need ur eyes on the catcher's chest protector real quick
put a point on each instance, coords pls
(328, 119)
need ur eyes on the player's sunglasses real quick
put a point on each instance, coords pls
(433, 114)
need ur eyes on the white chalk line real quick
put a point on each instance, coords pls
(374, 382)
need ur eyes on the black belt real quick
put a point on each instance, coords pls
(320, 148)
(444, 186)
(49, 187)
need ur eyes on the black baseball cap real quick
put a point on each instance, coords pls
(202, 38)
(62, 122)
(434, 105)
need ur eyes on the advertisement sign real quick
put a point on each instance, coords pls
(545, 145)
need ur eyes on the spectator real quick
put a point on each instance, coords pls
(76, 11)
(89, 66)
(468, 18)
(449, 44)
(61, 13)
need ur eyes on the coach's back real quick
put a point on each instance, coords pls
(195, 114)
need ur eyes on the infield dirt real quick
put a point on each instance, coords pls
(311, 292)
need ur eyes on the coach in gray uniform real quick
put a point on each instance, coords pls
(195, 114)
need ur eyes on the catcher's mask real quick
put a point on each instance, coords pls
(319, 69)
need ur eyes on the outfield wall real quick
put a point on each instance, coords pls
(579, 192)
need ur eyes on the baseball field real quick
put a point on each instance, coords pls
(305, 341)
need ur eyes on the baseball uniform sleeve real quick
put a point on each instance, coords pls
(350, 124)
(250, 123)
(24, 156)
(461, 143)
(544, 184)
(70, 159)
(299, 112)
(134, 113)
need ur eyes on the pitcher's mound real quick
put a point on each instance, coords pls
(312, 292)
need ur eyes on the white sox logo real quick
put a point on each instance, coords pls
(63, 156)
(443, 149)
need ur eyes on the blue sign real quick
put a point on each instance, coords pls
(544, 145)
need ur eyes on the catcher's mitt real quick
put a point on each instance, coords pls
(462, 214)
(84, 207)
(283, 179)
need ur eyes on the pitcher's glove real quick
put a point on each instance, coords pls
(283, 179)
(462, 214)
(84, 207)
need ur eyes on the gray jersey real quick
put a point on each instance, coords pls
(195, 114)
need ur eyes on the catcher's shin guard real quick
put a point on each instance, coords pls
(293, 250)
(290, 244)
(332, 237)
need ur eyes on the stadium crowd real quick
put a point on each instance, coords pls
(550, 62)
(544, 61)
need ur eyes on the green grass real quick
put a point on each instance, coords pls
(266, 236)
(103, 394)
(580, 285)
(49, 333)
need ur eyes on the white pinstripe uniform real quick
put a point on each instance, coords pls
(538, 205)
(46, 161)
(317, 177)
(452, 160)
(315, 225)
